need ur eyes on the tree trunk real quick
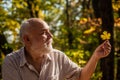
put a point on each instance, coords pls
(107, 64)
(103, 9)
(5, 49)
(95, 5)
(118, 56)
(70, 35)
(118, 65)
(32, 11)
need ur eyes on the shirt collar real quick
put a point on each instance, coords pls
(47, 56)
(23, 59)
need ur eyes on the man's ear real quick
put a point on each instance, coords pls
(26, 40)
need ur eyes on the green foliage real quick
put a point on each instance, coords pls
(97, 76)
(77, 56)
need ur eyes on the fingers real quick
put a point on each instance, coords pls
(107, 51)
(106, 47)
(108, 43)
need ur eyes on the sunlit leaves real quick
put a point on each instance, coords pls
(77, 56)
(116, 5)
(117, 22)
(11, 24)
(40, 14)
(83, 20)
(2, 12)
(19, 4)
(89, 30)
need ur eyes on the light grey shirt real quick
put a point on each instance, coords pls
(56, 66)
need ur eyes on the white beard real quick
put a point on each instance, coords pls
(40, 51)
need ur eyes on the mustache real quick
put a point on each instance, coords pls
(49, 41)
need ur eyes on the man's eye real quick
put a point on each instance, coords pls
(42, 33)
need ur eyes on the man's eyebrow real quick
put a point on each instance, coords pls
(42, 30)
(45, 29)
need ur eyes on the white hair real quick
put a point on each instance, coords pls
(23, 29)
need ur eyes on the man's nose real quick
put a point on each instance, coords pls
(50, 35)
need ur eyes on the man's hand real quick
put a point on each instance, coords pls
(103, 50)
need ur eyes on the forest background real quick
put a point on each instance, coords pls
(75, 24)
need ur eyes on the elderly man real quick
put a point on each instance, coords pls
(37, 60)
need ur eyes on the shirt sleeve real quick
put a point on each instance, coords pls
(71, 70)
(9, 70)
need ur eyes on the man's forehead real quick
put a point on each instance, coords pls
(45, 26)
(39, 29)
(37, 23)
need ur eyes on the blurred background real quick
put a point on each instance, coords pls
(75, 24)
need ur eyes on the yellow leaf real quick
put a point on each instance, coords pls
(83, 20)
(19, 5)
(105, 35)
(89, 30)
